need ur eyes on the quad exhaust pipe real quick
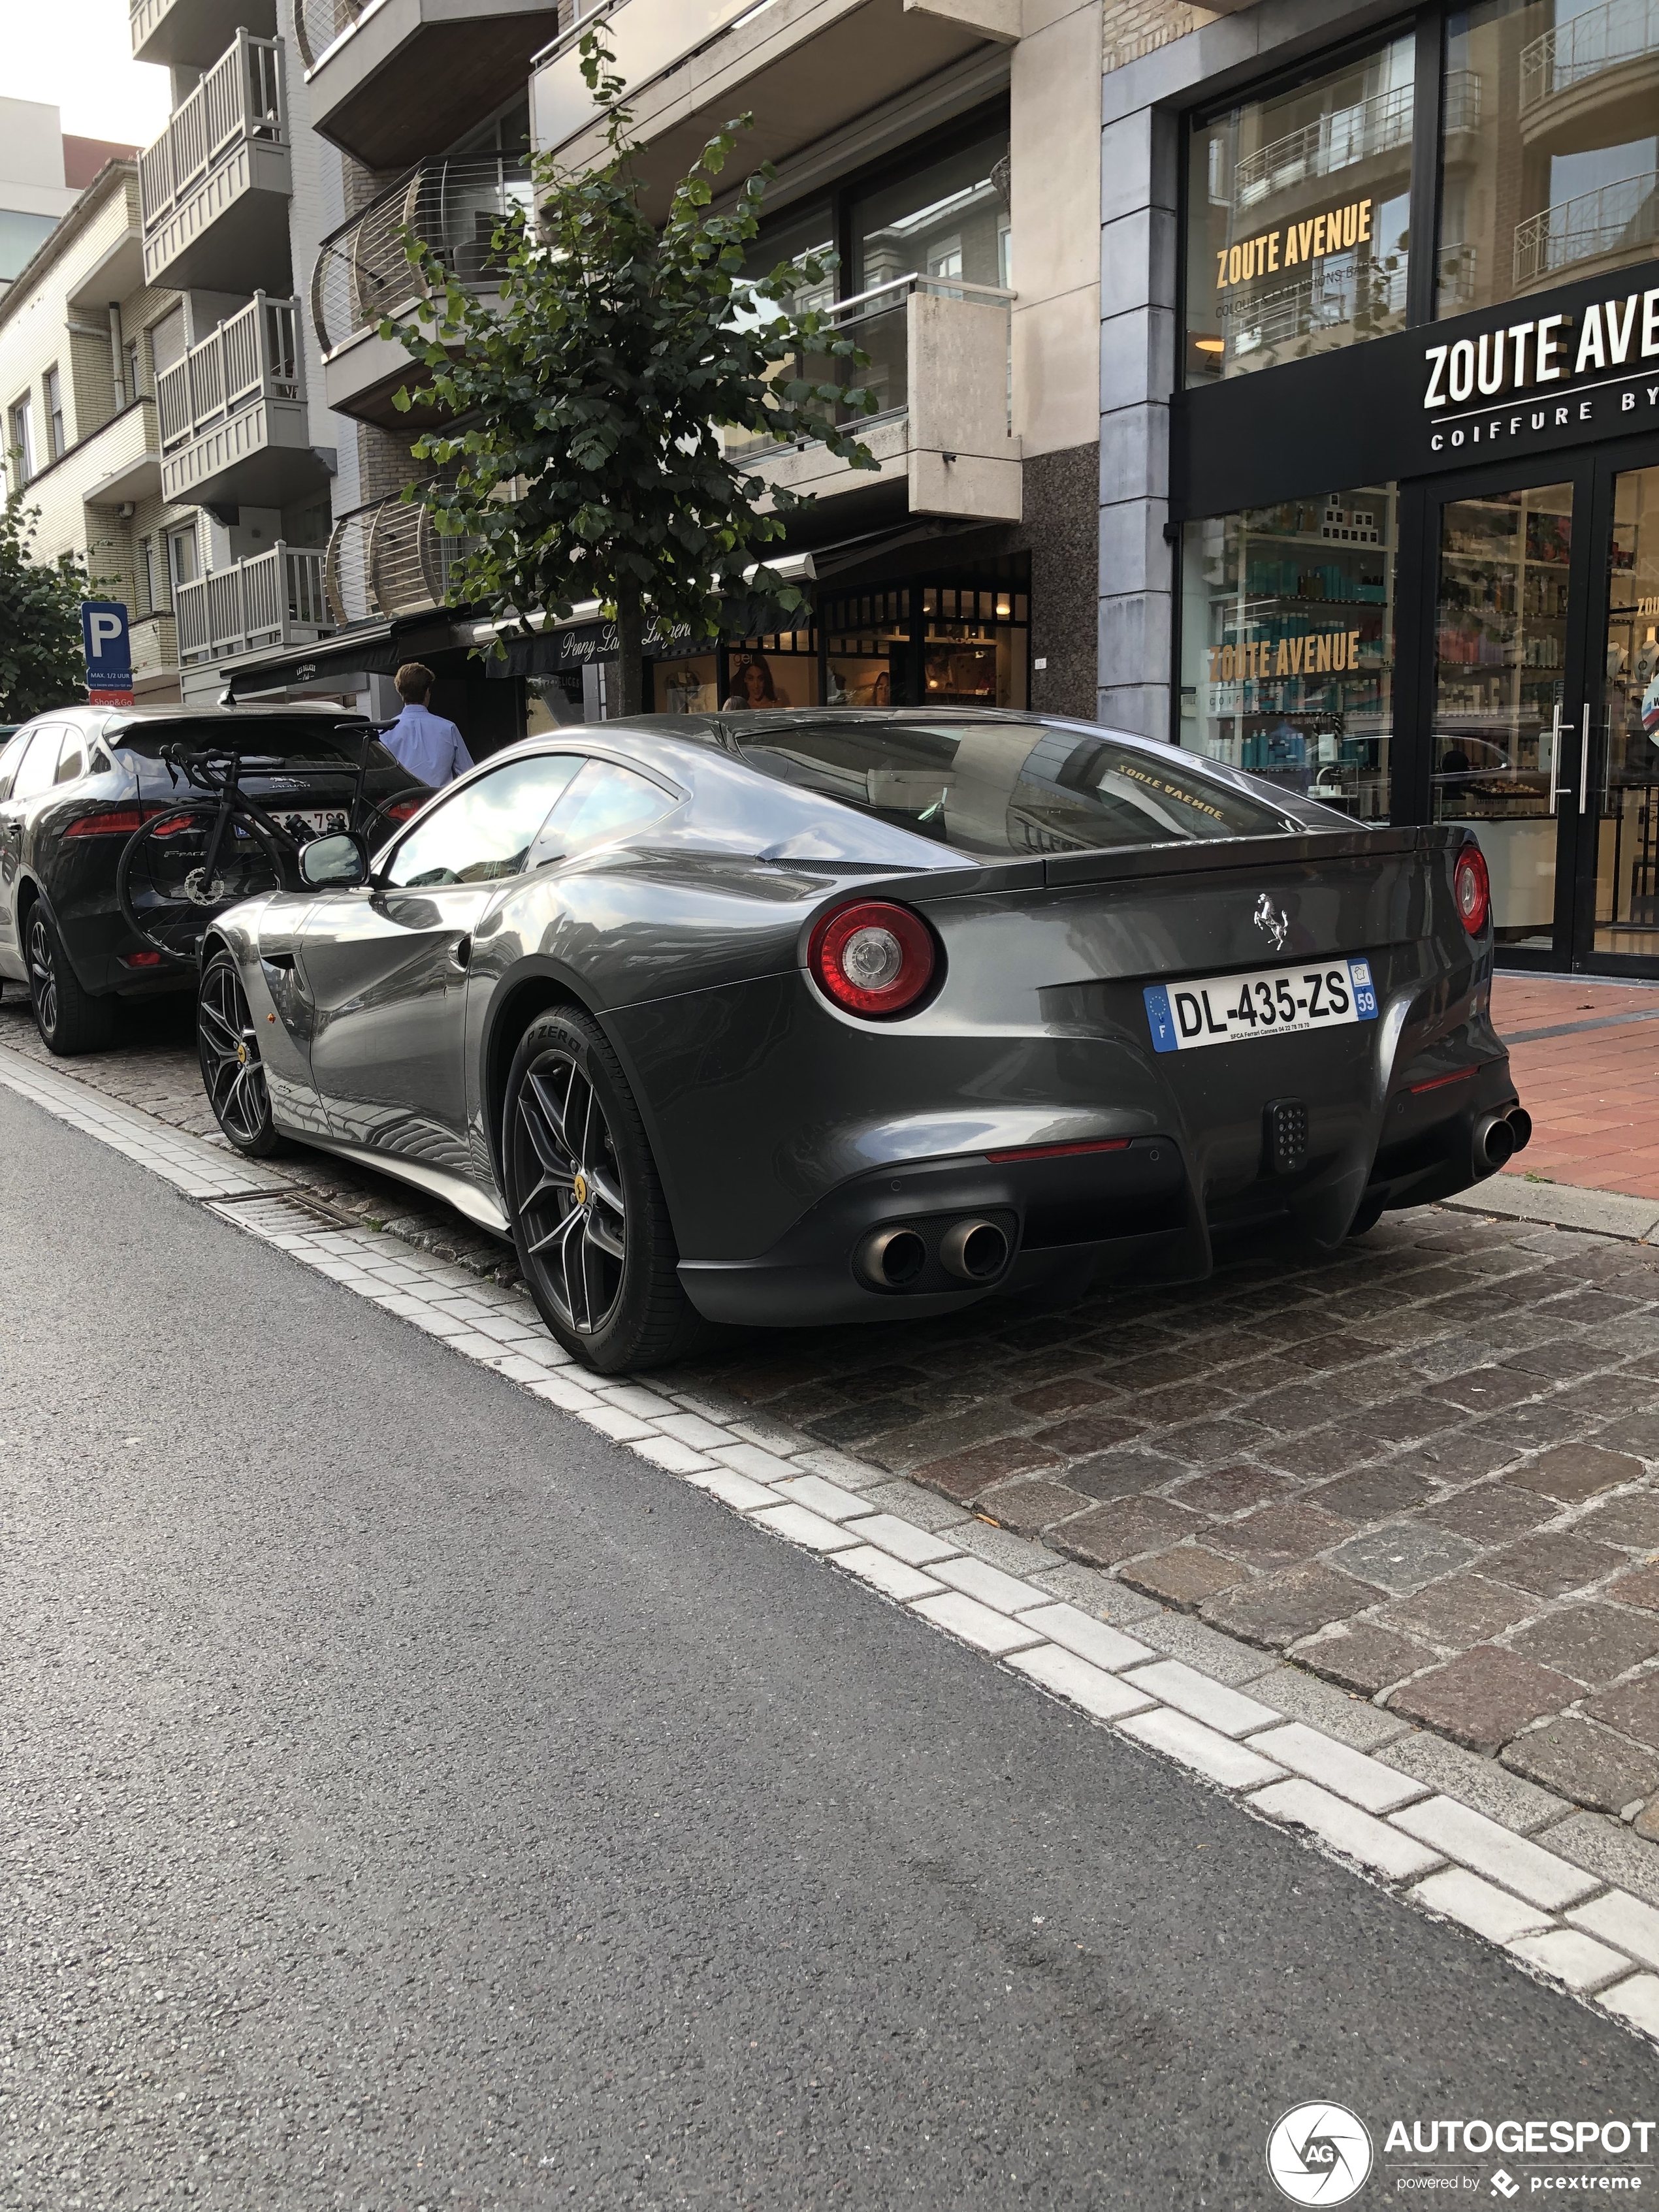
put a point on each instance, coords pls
(973, 1249)
(1500, 1137)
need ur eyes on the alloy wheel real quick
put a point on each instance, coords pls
(235, 1073)
(573, 1215)
(43, 972)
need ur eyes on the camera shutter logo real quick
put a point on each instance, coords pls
(1319, 2153)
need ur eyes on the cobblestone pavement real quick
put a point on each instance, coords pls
(1586, 1060)
(1426, 1469)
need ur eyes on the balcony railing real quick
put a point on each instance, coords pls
(1621, 218)
(1381, 125)
(276, 597)
(455, 207)
(877, 322)
(240, 99)
(1339, 292)
(319, 25)
(388, 559)
(1603, 38)
(253, 357)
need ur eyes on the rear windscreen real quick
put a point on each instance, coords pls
(307, 740)
(1007, 788)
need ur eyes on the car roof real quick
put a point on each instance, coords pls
(105, 720)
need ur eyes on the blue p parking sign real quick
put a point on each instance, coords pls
(109, 653)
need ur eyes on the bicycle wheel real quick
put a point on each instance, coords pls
(165, 896)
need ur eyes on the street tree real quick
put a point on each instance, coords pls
(42, 661)
(585, 460)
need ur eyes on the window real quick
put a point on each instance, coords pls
(22, 441)
(945, 220)
(182, 567)
(1550, 146)
(56, 443)
(9, 758)
(1009, 787)
(38, 765)
(486, 830)
(1298, 217)
(149, 602)
(604, 801)
(72, 760)
(1287, 645)
(135, 369)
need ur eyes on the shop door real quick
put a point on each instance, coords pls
(1510, 708)
(1615, 918)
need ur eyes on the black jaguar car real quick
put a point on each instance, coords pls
(834, 1016)
(75, 785)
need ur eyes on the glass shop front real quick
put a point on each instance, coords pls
(1415, 458)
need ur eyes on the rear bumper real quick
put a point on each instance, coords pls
(1135, 1213)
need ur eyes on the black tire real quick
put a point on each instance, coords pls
(589, 1220)
(159, 880)
(232, 1073)
(70, 1020)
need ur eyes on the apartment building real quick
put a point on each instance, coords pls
(1380, 426)
(43, 169)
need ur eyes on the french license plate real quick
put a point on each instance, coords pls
(319, 820)
(1276, 1002)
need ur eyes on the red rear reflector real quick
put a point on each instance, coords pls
(141, 959)
(404, 808)
(1062, 1152)
(121, 823)
(1472, 889)
(1439, 1082)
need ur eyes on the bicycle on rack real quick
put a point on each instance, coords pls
(189, 862)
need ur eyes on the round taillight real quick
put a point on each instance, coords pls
(872, 959)
(1472, 888)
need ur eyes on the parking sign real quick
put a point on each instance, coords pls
(109, 653)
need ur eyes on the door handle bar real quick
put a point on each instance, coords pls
(1556, 733)
(1583, 765)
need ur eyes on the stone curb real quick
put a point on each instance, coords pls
(1159, 1688)
(1560, 1205)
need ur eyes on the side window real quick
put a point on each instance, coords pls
(72, 760)
(486, 830)
(604, 801)
(40, 762)
(13, 751)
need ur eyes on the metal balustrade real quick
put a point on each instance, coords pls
(319, 25)
(1381, 124)
(1604, 38)
(240, 99)
(253, 357)
(388, 559)
(454, 207)
(877, 324)
(1621, 218)
(276, 597)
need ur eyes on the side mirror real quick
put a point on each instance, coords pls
(335, 863)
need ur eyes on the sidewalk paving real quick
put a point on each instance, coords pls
(1426, 1468)
(1586, 1062)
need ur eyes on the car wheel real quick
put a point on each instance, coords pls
(589, 1219)
(233, 1073)
(70, 1020)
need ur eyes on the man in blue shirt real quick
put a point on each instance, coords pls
(421, 741)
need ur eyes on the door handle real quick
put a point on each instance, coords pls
(1556, 732)
(460, 953)
(1583, 765)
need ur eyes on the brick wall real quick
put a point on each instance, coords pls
(1135, 27)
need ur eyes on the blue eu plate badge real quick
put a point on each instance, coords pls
(1276, 1002)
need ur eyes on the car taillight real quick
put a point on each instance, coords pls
(172, 824)
(1472, 888)
(140, 959)
(872, 959)
(120, 822)
(403, 809)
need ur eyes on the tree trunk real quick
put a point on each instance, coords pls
(630, 659)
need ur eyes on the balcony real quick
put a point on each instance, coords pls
(276, 597)
(803, 67)
(191, 33)
(234, 430)
(391, 78)
(122, 459)
(385, 560)
(939, 367)
(362, 274)
(1594, 80)
(213, 189)
(1593, 233)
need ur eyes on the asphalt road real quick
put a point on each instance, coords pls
(409, 1799)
